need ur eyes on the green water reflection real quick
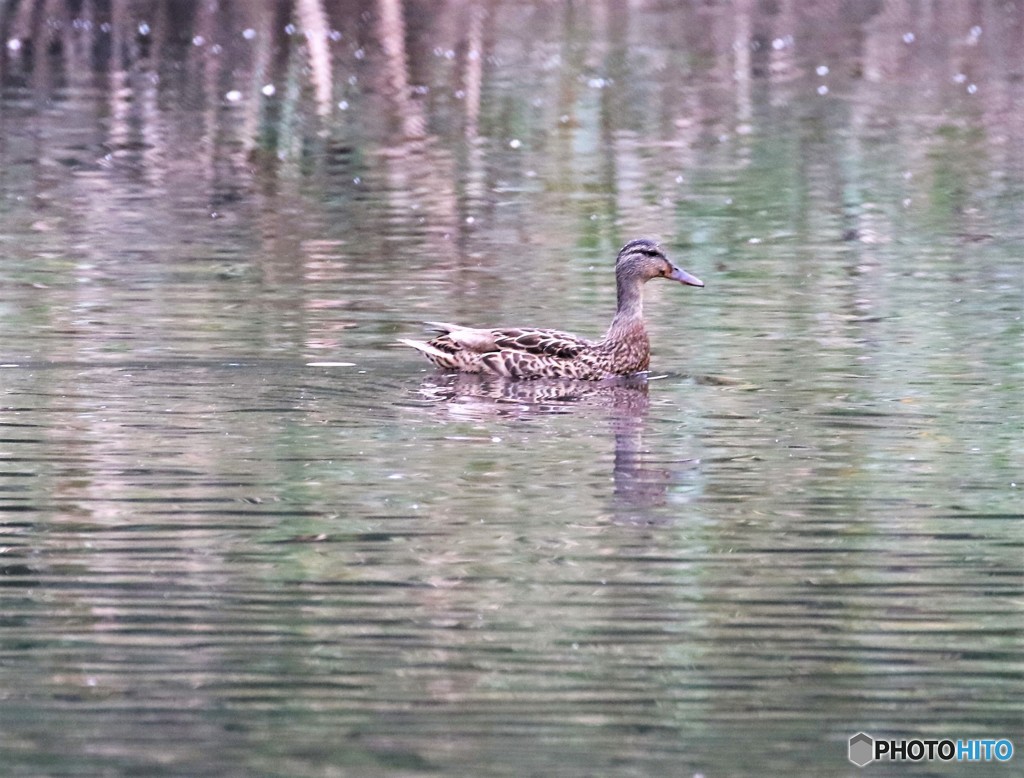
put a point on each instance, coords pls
(243, 532)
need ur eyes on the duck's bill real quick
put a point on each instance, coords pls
(680, 275)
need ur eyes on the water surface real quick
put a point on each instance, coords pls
(243, 532)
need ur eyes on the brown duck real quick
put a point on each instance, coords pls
(520, 352)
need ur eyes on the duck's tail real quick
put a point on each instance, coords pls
(426, 348)
(443, 327)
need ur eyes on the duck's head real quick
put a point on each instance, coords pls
(644, 259)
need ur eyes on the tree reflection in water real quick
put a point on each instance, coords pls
(641, 478)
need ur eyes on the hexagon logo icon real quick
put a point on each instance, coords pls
(862, 746)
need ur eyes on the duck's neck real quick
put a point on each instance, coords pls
(629, 316)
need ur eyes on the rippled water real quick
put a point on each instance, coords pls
(243, 532)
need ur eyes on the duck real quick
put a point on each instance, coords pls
(532, 353)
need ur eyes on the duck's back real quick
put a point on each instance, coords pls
(515, 352)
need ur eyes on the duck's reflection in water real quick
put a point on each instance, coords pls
(640, 485)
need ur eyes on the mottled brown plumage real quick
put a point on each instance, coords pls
(520, 352)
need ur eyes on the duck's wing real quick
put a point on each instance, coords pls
(537, 342)
(515, 352)
(526, 340)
